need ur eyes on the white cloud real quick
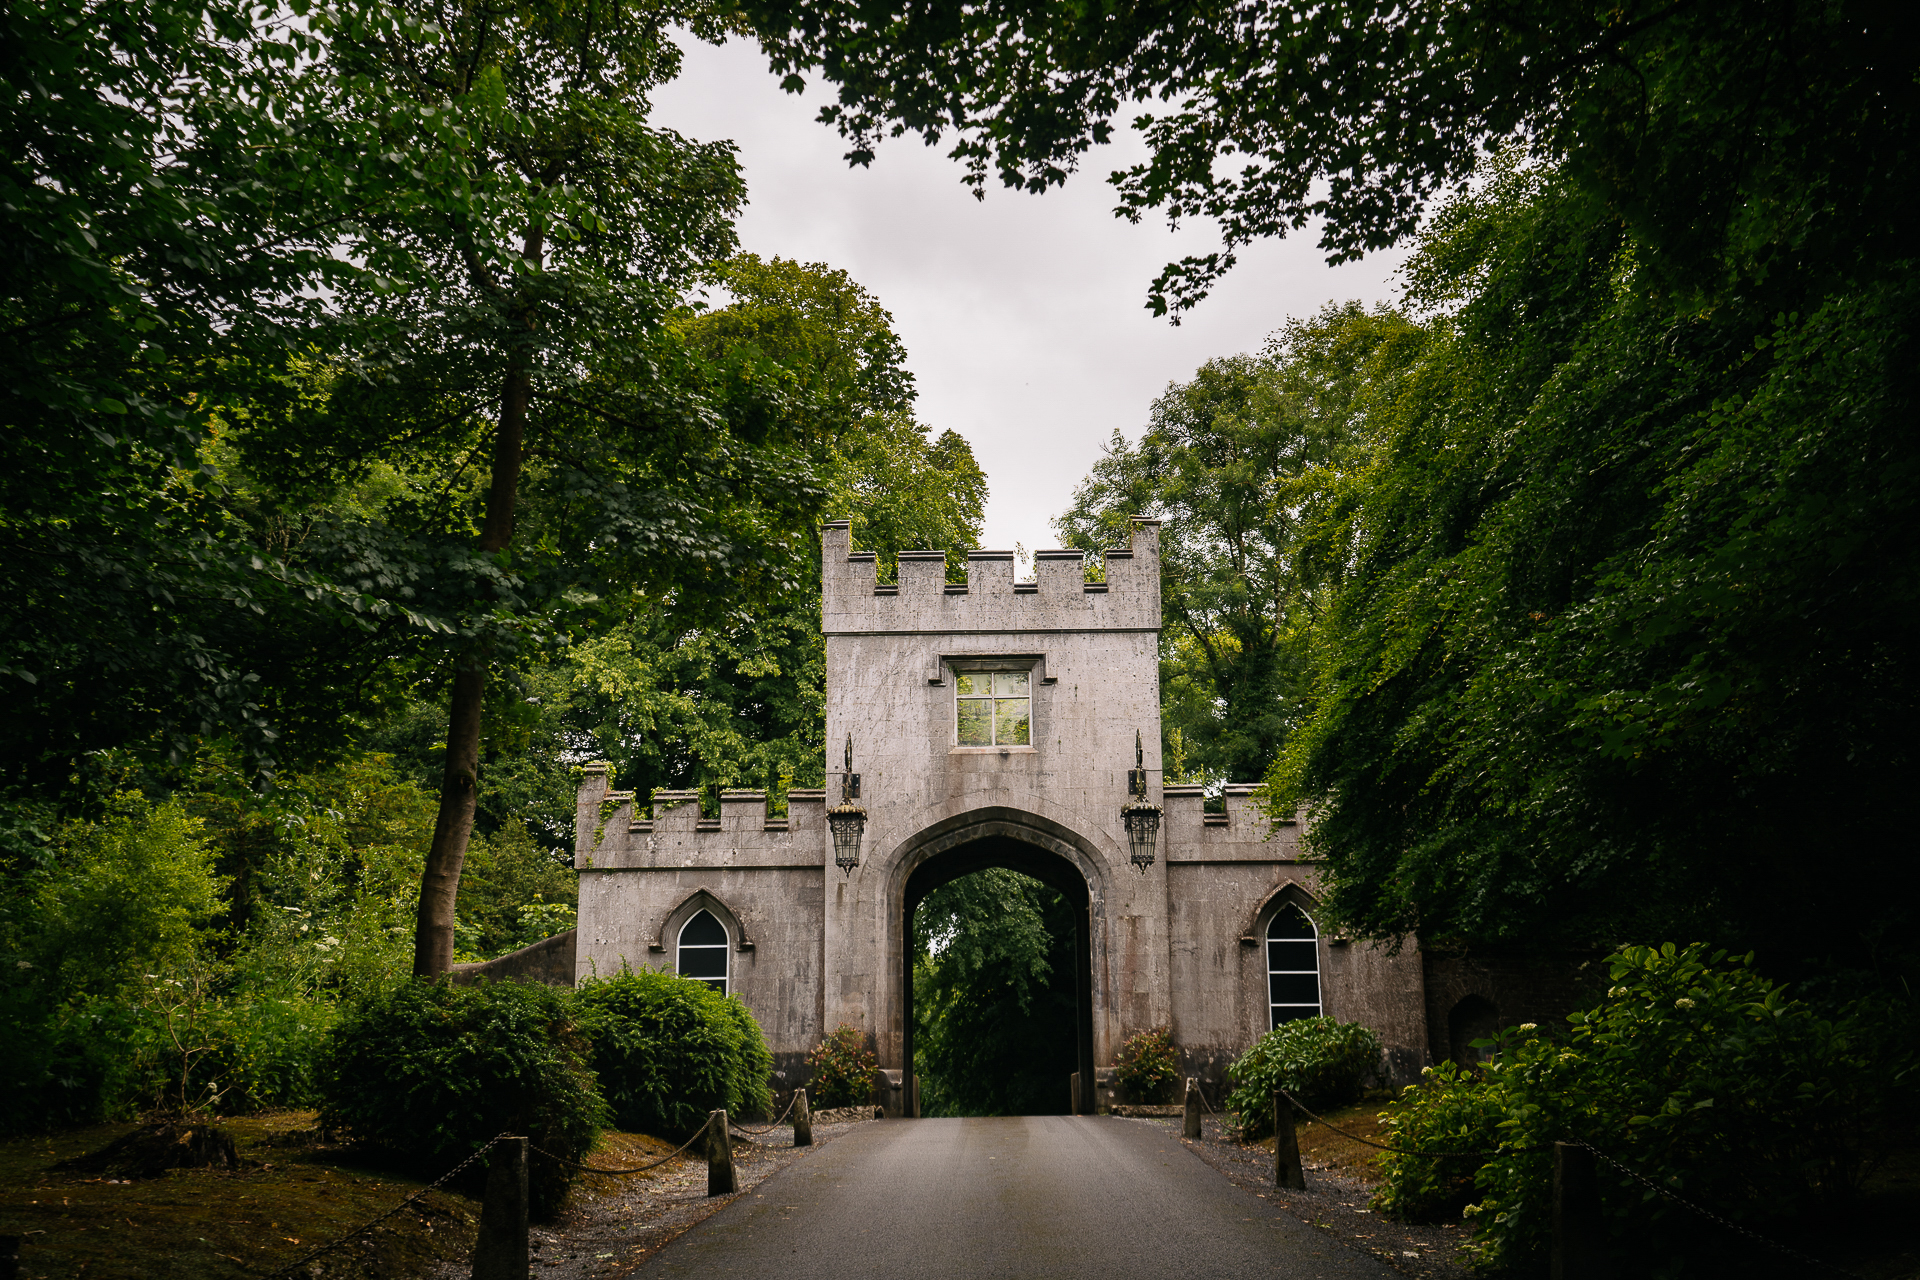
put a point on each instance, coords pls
(1023, 315)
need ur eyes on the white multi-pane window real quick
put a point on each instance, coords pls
(992, 708)
(703, 951)
(1293, 966)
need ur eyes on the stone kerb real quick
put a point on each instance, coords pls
(854, 601)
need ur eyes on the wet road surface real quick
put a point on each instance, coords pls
(1005, 1198)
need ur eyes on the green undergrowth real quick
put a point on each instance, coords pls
(290, 1194)
(208, 1225)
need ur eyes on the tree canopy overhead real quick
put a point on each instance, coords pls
(1732, 135)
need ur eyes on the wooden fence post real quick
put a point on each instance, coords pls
(1190, 1126)
(1286, 1147)
(500, 1250)
(802, 1120)
(720, 1179)
(1576, 1214)
(1073, 1096)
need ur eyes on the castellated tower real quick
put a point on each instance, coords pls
(992, 723)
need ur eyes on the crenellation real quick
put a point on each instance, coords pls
(990, 574)
(807, 809)
(675, 810)
(1243, 811)
(922, 574)
(1183, 806)
(742, 811)
(1060, 573)
(1059, 599)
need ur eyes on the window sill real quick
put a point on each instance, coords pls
(992, 751)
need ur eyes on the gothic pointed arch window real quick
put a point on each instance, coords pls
(1293, 966)
(703, 950)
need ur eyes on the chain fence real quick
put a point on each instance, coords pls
(322, 1250)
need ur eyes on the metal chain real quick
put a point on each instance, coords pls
(587, 1168)
(776, 1124)
(335, 1243)
(1405, 1151)
(1711, 1216)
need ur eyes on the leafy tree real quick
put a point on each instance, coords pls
(175, 184)
(1626, 641)
(994, 1003)
(527, 327)
(1698, 126)
(1239, 464)
(738, 699)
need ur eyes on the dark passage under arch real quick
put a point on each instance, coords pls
(1048, 868)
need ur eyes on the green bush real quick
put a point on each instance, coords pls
(1453, 1108)
(1148, 1068)
(668, 1050)
(431, 1071)
(1321, 1062)
(1695, 1071)
(840, 1069)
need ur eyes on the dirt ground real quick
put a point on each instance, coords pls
(288, 1195)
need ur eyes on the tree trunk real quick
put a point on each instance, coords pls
(459, 784)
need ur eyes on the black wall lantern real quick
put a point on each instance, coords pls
(847, 820)
(1141, 816)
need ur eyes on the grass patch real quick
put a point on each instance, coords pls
(208, 1225)
(1321, 1146)
(289, 1195)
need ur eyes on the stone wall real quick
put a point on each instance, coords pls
(1226, 878)
(1469, 995)
(550, 960)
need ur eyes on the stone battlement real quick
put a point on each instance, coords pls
(856, 602)
(610, 831)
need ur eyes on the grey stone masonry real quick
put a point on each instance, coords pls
(1178, 944)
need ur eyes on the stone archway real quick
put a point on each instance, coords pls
(1017, 841)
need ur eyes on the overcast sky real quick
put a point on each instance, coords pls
(1022, 315)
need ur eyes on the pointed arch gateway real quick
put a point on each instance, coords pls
(1017, 841)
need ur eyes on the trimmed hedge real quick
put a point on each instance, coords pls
(668, 1050)
(1321, 1062)
(431, 1071)
(1694, 1070)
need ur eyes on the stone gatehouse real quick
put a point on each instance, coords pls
(992, 724)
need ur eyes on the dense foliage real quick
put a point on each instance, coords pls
(1148, 1067)
(431, 1071)
(668, 1050)
(191, 953)
(1322, 1062)
(1624, 571)
(1696, 1072)
(1731, 138)
(840, 1069)
(994, 1012)
(1240, 465)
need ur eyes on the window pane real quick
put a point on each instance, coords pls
(703, 962)
(976, 722)
(1010, 684)
(1290, 922)
(1294, 988)
(972, 684)
(1292, 955)
(1012, 716)
(703, 931)
(1283, 1014)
